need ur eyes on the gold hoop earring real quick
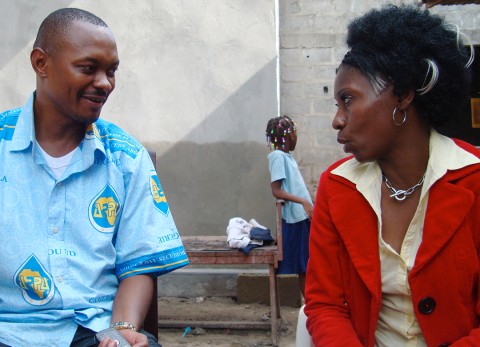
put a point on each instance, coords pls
(403, 120)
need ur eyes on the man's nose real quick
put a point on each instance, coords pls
(104, 82)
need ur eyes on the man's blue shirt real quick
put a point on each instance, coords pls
(67, 243)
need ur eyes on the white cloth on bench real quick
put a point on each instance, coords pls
(238, 232)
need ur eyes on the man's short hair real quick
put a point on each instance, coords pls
(56, 26)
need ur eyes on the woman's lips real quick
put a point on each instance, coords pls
(345, 144)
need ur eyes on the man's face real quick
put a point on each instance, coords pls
(80, 73)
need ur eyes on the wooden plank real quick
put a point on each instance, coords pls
(212, 250)
(213, 259)
(215, 243)
(168, 323)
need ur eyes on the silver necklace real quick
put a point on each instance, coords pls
(401, 194)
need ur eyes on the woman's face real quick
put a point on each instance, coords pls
(364, 118)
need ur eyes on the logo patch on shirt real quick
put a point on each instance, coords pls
(159, 199)
(103, 210)
(35, 282)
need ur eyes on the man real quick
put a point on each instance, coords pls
(84, 223)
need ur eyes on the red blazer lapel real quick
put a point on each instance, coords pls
(359, 232)
(447, 208)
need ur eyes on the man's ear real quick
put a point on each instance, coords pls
(38, 59)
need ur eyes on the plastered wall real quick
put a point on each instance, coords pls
(196, 83)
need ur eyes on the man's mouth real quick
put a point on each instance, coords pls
(95, 98)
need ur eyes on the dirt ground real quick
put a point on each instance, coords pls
(221, 309)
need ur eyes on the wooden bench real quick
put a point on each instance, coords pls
(213, 250)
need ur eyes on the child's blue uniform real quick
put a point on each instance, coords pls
(295, 222)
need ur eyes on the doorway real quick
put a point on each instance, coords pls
(466, 126)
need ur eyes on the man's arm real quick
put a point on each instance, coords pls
(131, 305)
(133, 300)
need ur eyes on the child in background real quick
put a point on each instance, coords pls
(287, 184)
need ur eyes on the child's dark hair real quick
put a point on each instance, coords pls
(277, 129)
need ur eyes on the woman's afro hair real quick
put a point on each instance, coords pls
(394, 43)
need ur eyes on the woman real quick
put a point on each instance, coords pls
(395, 238)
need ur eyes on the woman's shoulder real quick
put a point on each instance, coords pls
(339, 163)
(467, 147)
(339, 171)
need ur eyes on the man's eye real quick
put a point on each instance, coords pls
(111, 72)
(87, 68)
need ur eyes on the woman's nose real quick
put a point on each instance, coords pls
(339, 121)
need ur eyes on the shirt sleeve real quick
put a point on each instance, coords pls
(276, 165)
(147, 239)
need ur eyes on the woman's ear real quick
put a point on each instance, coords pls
(38, 59)
(405, 100)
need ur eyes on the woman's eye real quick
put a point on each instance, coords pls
(346, 99)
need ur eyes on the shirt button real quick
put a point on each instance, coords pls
(55, 230)
(59, 279)
(427, 305)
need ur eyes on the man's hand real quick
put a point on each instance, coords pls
(135, 339)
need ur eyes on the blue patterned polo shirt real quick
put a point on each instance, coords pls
(67, 243)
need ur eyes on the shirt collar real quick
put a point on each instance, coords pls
(24, 134)
(444, 155)
(92, 140)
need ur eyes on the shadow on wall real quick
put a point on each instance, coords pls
(207, 183)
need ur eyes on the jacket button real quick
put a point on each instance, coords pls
(427, 305)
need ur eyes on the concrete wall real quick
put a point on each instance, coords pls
(312, 45)
(197, 83)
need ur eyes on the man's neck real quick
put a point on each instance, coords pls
(57, 136)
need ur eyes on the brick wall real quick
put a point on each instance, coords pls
(312, 44)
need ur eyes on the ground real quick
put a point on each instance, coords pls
(221, 309)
